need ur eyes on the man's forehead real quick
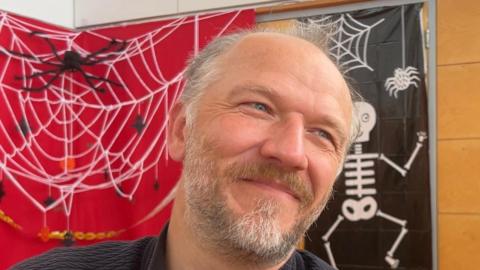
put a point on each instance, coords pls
(272, 43)
(285, 54)
(279, 53)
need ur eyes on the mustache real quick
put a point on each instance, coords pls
(291, 179)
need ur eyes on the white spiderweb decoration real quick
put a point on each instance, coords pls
(350, 39)
(71, 139)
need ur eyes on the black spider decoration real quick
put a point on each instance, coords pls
(2, 192)
(68, 239)
(49, 201)
(71, 61)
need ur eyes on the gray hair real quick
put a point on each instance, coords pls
(202, 69)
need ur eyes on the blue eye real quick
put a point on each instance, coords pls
(322, 133)
(260, 106)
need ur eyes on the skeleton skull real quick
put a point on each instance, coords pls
(368, 117)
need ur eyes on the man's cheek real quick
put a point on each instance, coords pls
(238, 133)
(322, 174)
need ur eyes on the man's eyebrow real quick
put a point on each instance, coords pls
(254, 88)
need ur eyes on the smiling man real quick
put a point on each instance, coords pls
(262, 129)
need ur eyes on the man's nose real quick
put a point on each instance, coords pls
(285, 144)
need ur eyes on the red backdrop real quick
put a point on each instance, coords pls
(82, 127)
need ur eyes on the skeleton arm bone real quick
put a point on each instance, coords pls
(403, 171)
(421, 137)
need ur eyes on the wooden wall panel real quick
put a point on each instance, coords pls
(459, 101)
(458, 176)
(459, 242)
(458, 31)
(283, 24)
(305, 5)
(458, 74)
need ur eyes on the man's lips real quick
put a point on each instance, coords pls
(271, 184)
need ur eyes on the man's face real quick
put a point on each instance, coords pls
(266, 144)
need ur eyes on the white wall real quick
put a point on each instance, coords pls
(59, 12)
(83, 13)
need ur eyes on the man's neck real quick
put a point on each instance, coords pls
(185, 250)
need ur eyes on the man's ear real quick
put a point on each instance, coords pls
(176, 132)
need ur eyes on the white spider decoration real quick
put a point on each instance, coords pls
(405, 76)
(401, 80)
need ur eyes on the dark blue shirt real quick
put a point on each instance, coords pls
(144, 254)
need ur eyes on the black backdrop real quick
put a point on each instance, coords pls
(379, 217)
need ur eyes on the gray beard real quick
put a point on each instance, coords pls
(252, 238)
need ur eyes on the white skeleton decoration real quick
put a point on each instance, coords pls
(360, 184)
(403, 77)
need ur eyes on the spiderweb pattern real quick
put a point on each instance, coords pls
(69, 139)
(349, 40)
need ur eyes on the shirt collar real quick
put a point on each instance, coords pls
(155, 257)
